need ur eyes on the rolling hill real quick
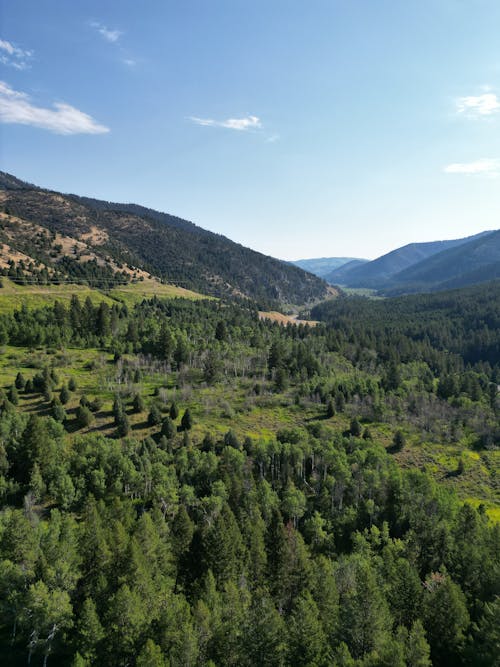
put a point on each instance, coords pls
(86, 238)
(470, 263)
(323, 266)
(420, 265)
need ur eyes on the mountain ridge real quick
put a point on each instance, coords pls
(173, 249)
(413, 267)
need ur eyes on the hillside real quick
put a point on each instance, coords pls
(473, 262)
(49, 228)
(322, 266)
(381, 271)
(337, 276)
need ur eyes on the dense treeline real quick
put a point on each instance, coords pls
(67, 270)
(464, 322)
(311, 547)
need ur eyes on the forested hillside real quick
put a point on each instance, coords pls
(126, 236)
(186, 484)
(427, 267)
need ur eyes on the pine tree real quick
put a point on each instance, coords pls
(20, 382)
(308, 644)
(154, 416)
(89, 631)
(186, 421)
(417, 649)
(151, 656)
(13, 396)
(355, 428)
(168, 428)
(138, 403)
(64, 395)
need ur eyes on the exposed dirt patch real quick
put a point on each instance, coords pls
(275, 316)
(95, 236)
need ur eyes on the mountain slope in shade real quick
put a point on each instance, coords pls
(168, 247)
(337, 276)
(322, 266)
(475, 261)
(380, 272)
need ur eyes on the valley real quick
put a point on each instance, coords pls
(214, 476)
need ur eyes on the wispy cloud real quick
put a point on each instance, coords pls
(13, 56)
(486, 166)
(130, 62)
(476, 106)
(107, 33)
(241, 124)
(16, 107)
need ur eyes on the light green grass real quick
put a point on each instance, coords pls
(135, 292)
(13, 297)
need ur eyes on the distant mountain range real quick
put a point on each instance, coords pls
(425, 267)
(323, 266)
(57, 232)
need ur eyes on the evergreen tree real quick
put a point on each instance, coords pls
(64, 395)
(154, 416)
(186, 421)
(168, 428)
(20, 382)
(308, 645)
(89, 631)
(174, 412)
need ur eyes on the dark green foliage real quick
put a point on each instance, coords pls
(12, 395)
(138, 403)
(186, 421)
(154, 416)
(174, 412)
(58, 411)
(355, 428)
(64, 395)
(168, 428)
(84, 417)
(20, 382)
(399, 440)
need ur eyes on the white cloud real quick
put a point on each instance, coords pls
(478, 105)
(14, 56)
(130, 62)
(16, 107)
(108, 34)
(487, 166)
(246, 123)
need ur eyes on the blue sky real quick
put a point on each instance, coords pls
(300, 129)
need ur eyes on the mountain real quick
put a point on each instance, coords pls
(337, 276)
(382, 272)
(470, 263)
(322, 266)
(87, 236)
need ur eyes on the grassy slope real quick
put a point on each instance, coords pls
(14, 296)
(231, 405)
